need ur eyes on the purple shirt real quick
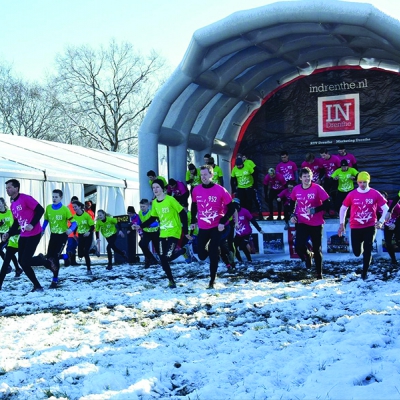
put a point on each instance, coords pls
(211, 205)
(287, 169)
(285, 196)
(276, 182)
(243, 227)
(395, 215)
(314, 196)
(23, 210)
(331, 165)
(315, 167)
(179, 189)
(363, 207)
(349, 158)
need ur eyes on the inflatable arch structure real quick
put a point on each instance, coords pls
(231, 66)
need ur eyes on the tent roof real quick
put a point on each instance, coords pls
(235, 63)
(43, 160)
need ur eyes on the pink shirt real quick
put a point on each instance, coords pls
(244, 218)
(331, 165)
(395, 215)
(363, 207)
(276, 182)
(211, 205)
(287, 169)
(349, 158)
(179, 189)
(314, 196)
(315, 167)
(285, 196)
(23, 211)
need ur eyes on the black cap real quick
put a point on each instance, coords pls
(211, 161)
(344, 163)
(239, 161)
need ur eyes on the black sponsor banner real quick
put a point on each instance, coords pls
(292, 119)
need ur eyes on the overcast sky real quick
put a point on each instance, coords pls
(33, 32)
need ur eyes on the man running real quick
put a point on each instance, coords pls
(308, 201)
(212, 207)
(58, 217)
(27, 213)
(364, 202)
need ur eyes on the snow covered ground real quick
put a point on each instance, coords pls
(268, 331)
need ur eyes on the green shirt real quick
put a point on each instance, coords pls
(58, 218)
(244, 176)
(7, 219)
(145, 217)
(13, 241)
(107, 228)
(196, 178)
(167, 211)
(84, 222)
(217, 174)
(249, 163)
(196, 229)
(345, 183)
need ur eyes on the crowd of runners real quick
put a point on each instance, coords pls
(217, 226)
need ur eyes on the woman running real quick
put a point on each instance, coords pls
(109, 227)
(85, 232)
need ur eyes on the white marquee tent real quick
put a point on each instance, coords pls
(42, 166)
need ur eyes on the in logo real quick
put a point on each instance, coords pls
(339, 115)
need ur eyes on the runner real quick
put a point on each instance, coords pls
(364, 202)
(243, 231)
(109, 227)
(6, 221)
(72, 242)
(85, 233)
(212, 207)
(274, 183)
(57, 216)
(27, 213)
(132, 235)
(173, 219)
(308, 201)
(149, 234)
(287, 168)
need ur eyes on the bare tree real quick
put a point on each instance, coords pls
(26, 109)
(105, 93)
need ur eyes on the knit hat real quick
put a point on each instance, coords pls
(271, 171)
(363, 176)
(344, 163)
(159, 182)
(131, 209)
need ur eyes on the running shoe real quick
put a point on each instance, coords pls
(53, 285)
(18, 272)
(172, 285)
